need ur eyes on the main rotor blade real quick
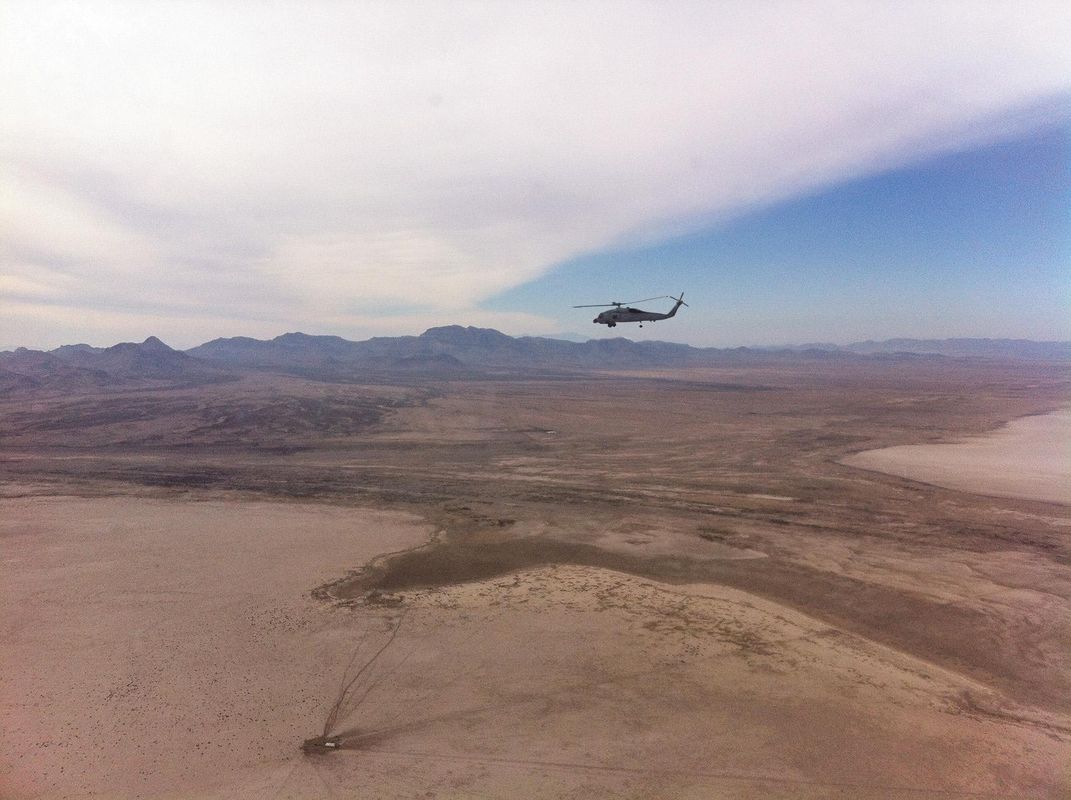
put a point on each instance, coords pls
(629, 302)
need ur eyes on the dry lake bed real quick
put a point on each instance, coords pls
(1028, 458)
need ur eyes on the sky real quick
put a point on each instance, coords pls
(971, 243)
(802, 171)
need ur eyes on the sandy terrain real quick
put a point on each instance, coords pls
(610, 586)
(182, 657)
(157, 647)
(1029, 458)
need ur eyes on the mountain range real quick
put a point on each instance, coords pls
(455, 347)
(79, 366)
(446, 351)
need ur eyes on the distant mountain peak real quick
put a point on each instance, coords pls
(299, 338)
(1015, 349)
(72, 349)
(151, 346)
(458, 334)
(155, 345)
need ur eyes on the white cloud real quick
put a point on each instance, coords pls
(41, 218)
(259, 165)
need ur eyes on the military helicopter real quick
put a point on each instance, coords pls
(623, 312)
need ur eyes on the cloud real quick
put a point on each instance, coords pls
(254, 165)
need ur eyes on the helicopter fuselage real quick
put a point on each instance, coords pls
(616, 315)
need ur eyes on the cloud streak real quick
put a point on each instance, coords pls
(262, 168)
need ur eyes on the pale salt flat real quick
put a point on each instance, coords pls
(1029, 458)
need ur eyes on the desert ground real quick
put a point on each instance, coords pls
(673, 583)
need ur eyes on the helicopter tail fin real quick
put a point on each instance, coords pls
(680, 302)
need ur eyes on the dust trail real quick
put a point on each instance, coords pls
(348, 699)
(354, 735)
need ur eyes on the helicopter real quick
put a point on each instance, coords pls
(623, 312)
